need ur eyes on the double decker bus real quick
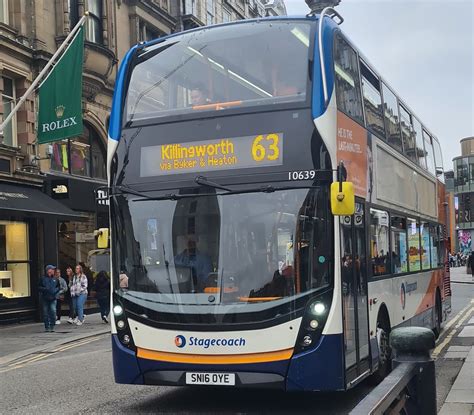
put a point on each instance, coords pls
(232, 262)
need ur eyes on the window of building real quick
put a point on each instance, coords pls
(209, 12)
(425, 245)
(413, 229)
(430, 162)
(190, 7)
(14, 260)
(147, 32)
(226, 15)
(94, 21)
(4, 11)
(81, 156)
(392, 120)
(408, 135)
(372, 101)
(8, 101)
(461, 173)
(348, 92)
(379, 242)
(420, 150)
(398, 236)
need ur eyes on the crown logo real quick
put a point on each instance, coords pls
(60, 111)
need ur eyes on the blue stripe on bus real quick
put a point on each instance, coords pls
(320, 369)
(126, 369)
(115, 123)
(318, 107)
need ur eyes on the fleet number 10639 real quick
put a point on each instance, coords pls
(301, 175)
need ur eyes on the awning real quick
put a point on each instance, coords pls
(33, 202)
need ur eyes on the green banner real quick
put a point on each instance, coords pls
(60, 96)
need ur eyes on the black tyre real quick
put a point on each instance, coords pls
(385, 352)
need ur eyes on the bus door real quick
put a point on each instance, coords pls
(354, 293)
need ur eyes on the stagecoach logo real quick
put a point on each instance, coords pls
(403, 296)
(180, 341)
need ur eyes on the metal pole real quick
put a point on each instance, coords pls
(42, 73)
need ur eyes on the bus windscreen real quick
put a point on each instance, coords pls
(219, 69)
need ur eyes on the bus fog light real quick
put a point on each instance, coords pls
(318, 308)
(120, 324)
(118, 310)
(126, 339)
(313, 324)
(307, 340)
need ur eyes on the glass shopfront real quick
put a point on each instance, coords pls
(14, 260)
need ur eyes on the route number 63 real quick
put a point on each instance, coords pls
(269, 151)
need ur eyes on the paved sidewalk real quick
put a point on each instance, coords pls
(460, 400)
(459, 275)
(23, 339)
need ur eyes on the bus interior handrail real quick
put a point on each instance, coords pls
(331, 13)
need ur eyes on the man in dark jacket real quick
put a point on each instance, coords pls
(48, 289)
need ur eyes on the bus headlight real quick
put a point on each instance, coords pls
(318, 308)
(126, 339)
(118, 310)
(120, 324)
(314, 320)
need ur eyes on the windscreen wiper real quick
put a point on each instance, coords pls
(201, 180)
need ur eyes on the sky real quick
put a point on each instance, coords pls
(424, 49)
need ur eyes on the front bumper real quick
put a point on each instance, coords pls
(319, 369)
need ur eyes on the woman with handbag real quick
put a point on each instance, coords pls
(79, 294)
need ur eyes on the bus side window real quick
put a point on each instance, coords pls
(425, 245)
(413, 229)
(348, 93)
(398, 237)
(379, 242)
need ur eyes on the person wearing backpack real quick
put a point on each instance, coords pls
(49, 289)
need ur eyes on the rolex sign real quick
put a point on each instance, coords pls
(60, 96)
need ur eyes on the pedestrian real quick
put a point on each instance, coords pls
(69, 278)
(48, 289)
(60, 295)
(79, 294)
(471, 263)
(102, 289)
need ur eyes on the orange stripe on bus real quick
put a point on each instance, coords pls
(214, 359)
(429, 296)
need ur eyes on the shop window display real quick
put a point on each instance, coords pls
(14, 260)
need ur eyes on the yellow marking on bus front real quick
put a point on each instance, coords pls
(215, 359)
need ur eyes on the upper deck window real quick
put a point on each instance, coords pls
(392, 119)
(347, 80)
(372, 100)
(420, 151)
(220, 68)
(408, 135)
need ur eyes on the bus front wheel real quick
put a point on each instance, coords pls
(385, 352)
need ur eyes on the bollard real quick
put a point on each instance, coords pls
(413, 345)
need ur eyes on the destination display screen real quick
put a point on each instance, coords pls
(209, 155)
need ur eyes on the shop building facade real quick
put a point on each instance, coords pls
(463, 167)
